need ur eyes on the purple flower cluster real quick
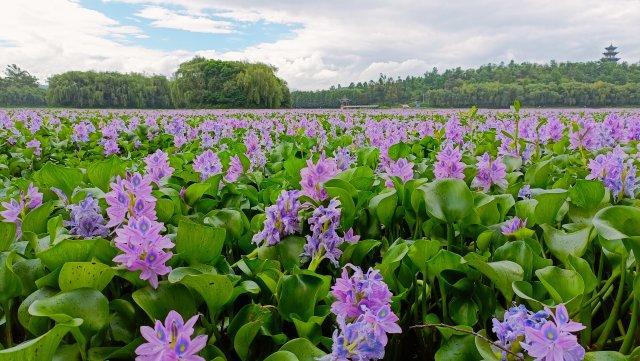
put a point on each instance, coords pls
(157, 165)
(616, 171)
(401, 168)
(343, 158)
(130, 198)
(281, 220)
(314, 175)
(171, 340)
(86, 219)
(34, 145)
(513, 225)
(144, 249)
(490, 172)
(82, 131)
(207, 164)
(363, 313)
(449, 163)
(324, 241)
(16, 209)
(235, 169)
(544, 339)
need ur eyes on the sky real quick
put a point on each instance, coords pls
(314, 44)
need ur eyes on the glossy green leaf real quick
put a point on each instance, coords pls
(198, 243)
(157, 303)
(85, 303)
(93, 274)
(448, 200)
(41, 348)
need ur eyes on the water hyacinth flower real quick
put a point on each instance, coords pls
(207, 164)
(512, 327)
(616, 171)
(144, 249)
(313, 177)
(235, 169)
(401, 168)
(34, 145)
(555, 339)
(490, 172)
(131, 198)
(281, 219)
(525, 192)
(86, 219)
(343, 158)
(513, 225)
(157, 166)
(16, 209)
(364, 316)
(324, 241)
(171, 340)
(449, 163)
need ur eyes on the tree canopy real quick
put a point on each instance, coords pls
(19, 88)
(591, 84)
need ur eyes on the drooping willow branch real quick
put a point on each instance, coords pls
(518, 357)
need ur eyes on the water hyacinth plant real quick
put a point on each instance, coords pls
(306, 235)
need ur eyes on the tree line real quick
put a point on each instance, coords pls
(198, 83)
(587, 84)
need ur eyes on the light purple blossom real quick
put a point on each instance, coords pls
(555, 341)
(86, 219)
(449, 163)
(314, 176)
(513, 225)
(171, 340)
(207, 164)
(343, 158)
(235, 169)
(324, 241)
(490, 172)
(401, 168)
(130, 198)
(281, 219)
(157, 166)
(34, 145)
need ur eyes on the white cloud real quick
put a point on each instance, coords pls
(165, 18)
(334, 41)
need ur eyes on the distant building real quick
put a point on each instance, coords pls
(610, 54)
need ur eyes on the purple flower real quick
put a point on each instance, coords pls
(583, 135)
(617, 172)
(343, 158)
(33, 197)
(12, 210)
(314, 176)
(157, 165)
(324, 241)
(144, 249)
(130, 198)
(515, 321)
(449, 164)
(549, 343)
(364, 316)
(281, 219)
(171, 341)
(86, 219)
(235, 170)
(513, 225)
(81, 132)
(525, 192)
(490, 172)
(34, 145)
(401, 168)
(207, 164)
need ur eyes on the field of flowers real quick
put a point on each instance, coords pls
(319, 235)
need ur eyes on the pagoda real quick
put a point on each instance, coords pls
(610, 54)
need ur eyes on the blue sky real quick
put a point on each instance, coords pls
(242, 35)
(313, 44)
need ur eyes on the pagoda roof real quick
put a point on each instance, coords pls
(611, 47)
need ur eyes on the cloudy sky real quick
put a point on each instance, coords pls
(316, 43)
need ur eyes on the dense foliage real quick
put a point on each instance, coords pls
(208, 83)
(306, 235)
(590, 84)
(90, 89)
(19, 88)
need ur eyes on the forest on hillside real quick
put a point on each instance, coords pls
(588, 84)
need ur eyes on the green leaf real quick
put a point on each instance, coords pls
(70, 250)
(486, 350)
(281, 356)
(399, 150)
(87, 304)
(216, 290)
(101, 173)
(562, 244)
(248, 331)
(10, 283)
(587, 194)
(448, 200)
(34, 324)
(346, 205)
(36, 220)
(287, 252)
(549, 203)
(157, 303)
(197, 243)
(501, 273)
(41, 348)
(303, 349)
(563, 285)
(94, 275)
(383, 206)
(66, 179)
(605, 356)
(7, 235)
(458, 348)
(298, 294)
(421, 251)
